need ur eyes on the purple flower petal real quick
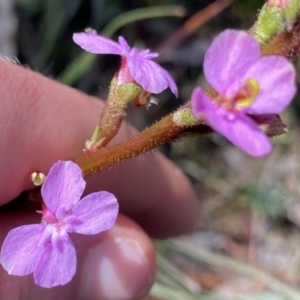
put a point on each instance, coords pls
(124, 46)
(97, 44)
(200, 103)
(145, 53)
(276, 77)
(46, 249)
(230, 63)
(57, 264)
(63, 187)
(145, 72)
(94, 213)
(236, 127)
(148, 74)
(228, 58)
(20, 249)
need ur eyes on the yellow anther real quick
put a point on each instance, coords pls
(254, 86)
(248, 94)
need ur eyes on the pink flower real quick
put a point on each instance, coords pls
(136, 66)
(46, 249)
(247, 84)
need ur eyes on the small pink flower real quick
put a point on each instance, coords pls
(247, 84)
(46, 249)
(135, 65)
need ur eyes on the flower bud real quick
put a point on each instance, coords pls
(274, 16)
(277, 3)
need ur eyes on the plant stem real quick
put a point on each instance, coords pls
(158, 134)
(164, 131)
(91, 162)
(285, 44)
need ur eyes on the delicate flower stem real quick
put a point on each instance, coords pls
(158, 134)
(285, 44)
(110, 122)
(163, 131)
(113, 113)
(91, 162)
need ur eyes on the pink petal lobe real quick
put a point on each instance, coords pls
(228, 58)
(243, 133)
(151, 76)
(124, 45)
(63, 187)
(276, 77)
(97, 44)
(94, 213)
(147, 54)
(57, 265)
(237, 128)
(199, 103)
(20, 249)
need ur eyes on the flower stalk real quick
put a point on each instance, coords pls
(113, 113)
(92, 162)
(158, 134)
(286, 43)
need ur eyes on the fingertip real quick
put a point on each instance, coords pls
(121, 265)
(115, 269)
(43, 121)
(176, 211)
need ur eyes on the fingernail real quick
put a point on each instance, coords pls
(117, 269)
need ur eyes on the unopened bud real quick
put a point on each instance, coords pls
(37, 178)
(275, 16)
(124, 93)
(184, 117)
(269, 22)
(289, 9)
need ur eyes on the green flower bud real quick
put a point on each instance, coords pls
(269, 22)
(184, 117)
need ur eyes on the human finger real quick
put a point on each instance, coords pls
(44, 121)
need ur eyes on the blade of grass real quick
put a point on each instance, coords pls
(62, 14)
(164, 292)
(85, 60)
(266, 296)
(224, 262)
(50, 30)
(192, 24)
(179, 278)
(142, 14)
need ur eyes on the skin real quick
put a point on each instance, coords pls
(43, 121)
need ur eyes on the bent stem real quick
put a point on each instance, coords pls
(158, 134)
